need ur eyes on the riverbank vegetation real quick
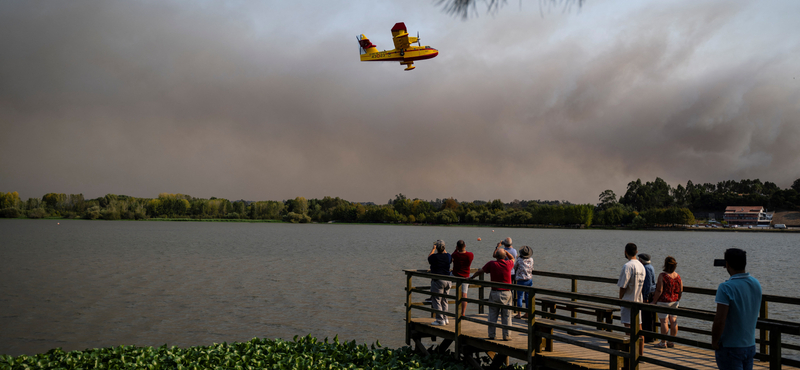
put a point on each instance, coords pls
(301, 353)
(643, 204)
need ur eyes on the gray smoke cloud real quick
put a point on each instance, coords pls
(267, 100)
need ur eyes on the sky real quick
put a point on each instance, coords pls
(267, 100)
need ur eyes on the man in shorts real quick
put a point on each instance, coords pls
(630, 283)
(462, 260)
(733, 334)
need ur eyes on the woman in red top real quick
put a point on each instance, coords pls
(668, 293)
(462, 260)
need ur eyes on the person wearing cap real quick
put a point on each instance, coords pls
(523, 268)
(440, 260)
(500, 272)
(462, 260)
(648, 318)
(511, 253)
(733, 334)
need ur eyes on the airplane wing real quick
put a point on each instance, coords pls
(400, 36)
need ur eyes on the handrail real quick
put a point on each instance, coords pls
(762, 340)
(775, 328)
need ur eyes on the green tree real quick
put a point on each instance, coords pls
(607, 199)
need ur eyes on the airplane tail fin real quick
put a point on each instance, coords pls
(366, 47)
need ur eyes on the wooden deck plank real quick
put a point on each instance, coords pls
(575, 357)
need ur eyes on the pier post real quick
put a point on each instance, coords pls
(456, 341)
(480, 296)
(633, 363)
(774, 349)
(764, 334)
(408, 309)
(533, 343)
(574, 314)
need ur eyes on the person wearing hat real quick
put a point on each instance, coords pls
(648, 318)
(523, 269)
(511, 253)
(440, 260)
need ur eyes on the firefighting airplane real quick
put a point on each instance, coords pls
(403, 51)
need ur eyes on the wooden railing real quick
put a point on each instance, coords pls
(762, 340)
(771, 349)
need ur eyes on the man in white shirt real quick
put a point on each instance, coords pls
(630, 283)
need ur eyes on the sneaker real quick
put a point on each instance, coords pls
(437, 322)
(670, 345)
(506, 338)
(446, 321)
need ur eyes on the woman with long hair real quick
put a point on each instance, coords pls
(669, 289)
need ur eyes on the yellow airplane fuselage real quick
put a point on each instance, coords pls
(403, 52)
(413, 53)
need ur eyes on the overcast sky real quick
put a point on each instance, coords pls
(267, 100)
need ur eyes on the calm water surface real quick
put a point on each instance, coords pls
(85, 284)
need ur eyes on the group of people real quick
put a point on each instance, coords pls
(738, 303)
(738, 299)
(509, 266)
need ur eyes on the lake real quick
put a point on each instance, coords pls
(81, 284)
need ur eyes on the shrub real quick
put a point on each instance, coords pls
(37, 213)
(296, 218)
(10, 213)
(307, 353)
(92, 213)
(110, 215)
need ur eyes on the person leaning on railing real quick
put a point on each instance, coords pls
(500, 272)
(733, 334)
(439, 260)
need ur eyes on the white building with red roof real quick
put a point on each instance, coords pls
(747, 216)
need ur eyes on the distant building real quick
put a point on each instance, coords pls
(747, 216)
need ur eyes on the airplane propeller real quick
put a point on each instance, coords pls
(418, 43)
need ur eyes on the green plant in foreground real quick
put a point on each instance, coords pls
(300, 353)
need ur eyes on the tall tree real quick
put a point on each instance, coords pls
(607, 199)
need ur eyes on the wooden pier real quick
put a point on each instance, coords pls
(549, 340)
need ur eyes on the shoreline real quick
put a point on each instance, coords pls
(790, 229)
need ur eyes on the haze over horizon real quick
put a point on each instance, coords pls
(268, 100)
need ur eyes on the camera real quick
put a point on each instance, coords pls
(719, 262)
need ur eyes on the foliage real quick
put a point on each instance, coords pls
(300, 353)
(639, 222)
(656, 201)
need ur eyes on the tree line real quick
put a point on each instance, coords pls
(649, 203)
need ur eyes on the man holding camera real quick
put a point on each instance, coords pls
(733, 334)
(440, 260)
(500, 272)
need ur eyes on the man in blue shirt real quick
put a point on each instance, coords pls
(733, 334)
(648, 317)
